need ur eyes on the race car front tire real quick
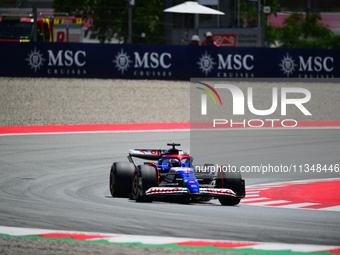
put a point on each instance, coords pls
(121, 174)
(144, 178)
(233, 181)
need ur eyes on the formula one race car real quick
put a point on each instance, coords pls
(173, 177)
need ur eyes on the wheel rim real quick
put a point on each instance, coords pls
(137, 186)
(112, 181)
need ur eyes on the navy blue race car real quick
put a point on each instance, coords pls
(171, 174)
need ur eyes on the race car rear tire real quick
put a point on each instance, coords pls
(233, 181)
(144, 178)
(121, 174)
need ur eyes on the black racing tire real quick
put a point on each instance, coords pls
(144, 178)
(121, 174)
(233, 181)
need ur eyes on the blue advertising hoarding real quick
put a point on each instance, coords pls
(162, 62)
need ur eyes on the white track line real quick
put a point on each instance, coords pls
(159, 240)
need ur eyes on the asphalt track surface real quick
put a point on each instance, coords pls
(60, 181)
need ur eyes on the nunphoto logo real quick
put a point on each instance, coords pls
(204, 97)
(254, 105)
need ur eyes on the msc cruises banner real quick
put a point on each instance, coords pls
(162, 62)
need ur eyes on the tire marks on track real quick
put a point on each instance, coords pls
(320, 194)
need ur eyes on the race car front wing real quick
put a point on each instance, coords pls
(212, 192)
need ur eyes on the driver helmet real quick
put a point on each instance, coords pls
(174, 162)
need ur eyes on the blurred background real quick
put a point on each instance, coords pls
(245, 23)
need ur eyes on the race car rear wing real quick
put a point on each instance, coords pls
(155, 154)
(149, 154)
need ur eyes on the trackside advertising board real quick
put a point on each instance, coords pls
(162, 62)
